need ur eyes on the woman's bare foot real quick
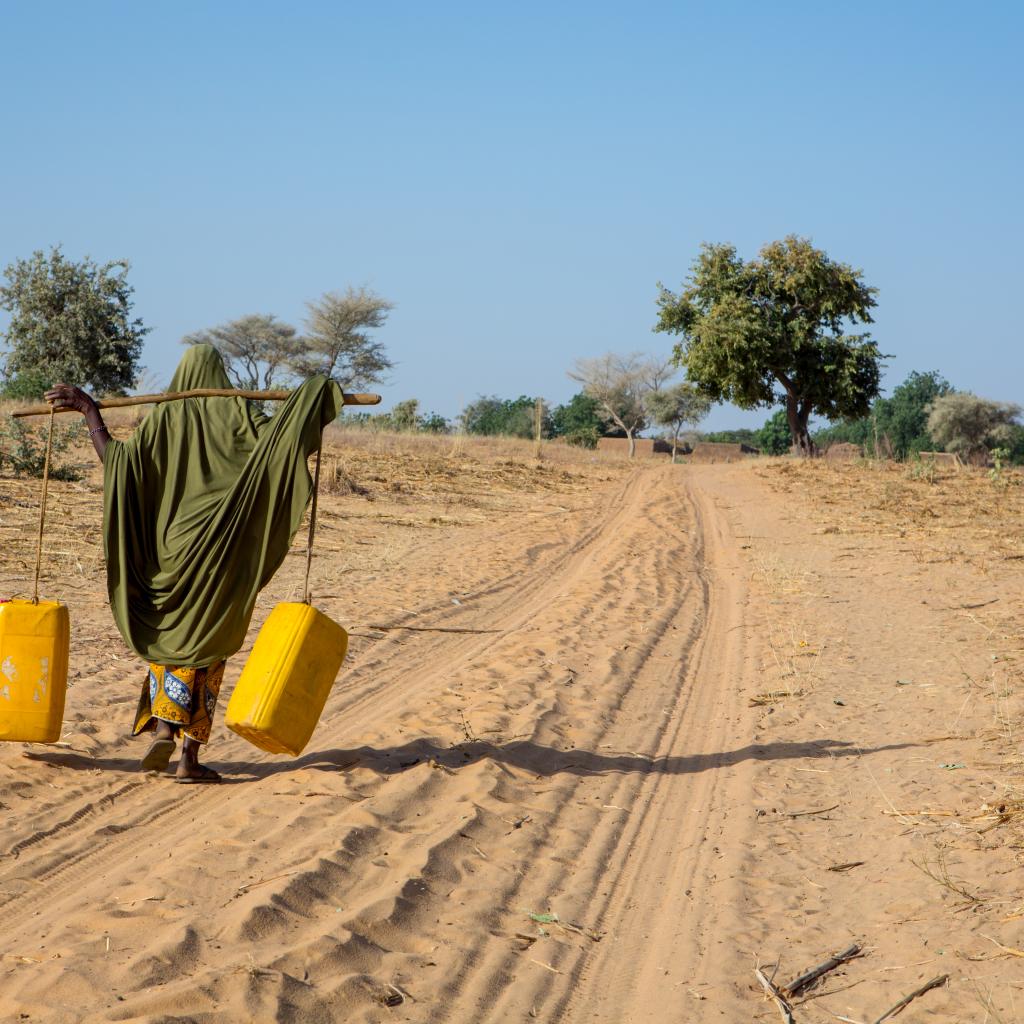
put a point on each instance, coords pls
(189, 768)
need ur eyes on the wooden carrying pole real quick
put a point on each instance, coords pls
(171, 396)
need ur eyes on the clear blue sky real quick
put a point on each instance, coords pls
(518, 177)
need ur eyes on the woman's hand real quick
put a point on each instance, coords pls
(63, 396)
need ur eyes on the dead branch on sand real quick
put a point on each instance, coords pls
(808, 978)
(785, 1010)
(907, 1000)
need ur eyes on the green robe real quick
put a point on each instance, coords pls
(200, 506)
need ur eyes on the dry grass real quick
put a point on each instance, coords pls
(940, 874)
(940, 516)
(944, 514)
(455, 471)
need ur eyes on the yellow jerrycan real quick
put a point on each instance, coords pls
(284, 685)
(34, 643)
(35, 639)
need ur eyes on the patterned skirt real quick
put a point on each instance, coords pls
(185, 697)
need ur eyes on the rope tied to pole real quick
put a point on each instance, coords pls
(42, 507)
(308, 598)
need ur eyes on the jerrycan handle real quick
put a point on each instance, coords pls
(42, 507)
(308, 598)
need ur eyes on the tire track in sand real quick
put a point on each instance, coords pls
(639, 869)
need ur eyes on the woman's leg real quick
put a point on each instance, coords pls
(206, 688)
(189, 768)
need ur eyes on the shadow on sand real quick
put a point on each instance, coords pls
(526, 755)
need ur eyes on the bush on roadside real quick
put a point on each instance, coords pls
(434, 423)
(972, 426)
(582, 437)
(23, 449)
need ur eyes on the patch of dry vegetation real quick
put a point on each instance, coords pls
(455, 471)
(947, 514)
(941, 517)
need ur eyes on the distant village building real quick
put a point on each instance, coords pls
(844, 451)
(645, 446)
(700, 451)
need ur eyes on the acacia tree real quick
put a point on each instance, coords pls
(619, 385)
(676, 407)
(256, 348)
(336, 342)
(771, 330)
(969, 425)
(69, 321)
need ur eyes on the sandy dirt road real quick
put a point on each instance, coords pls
(540, 793)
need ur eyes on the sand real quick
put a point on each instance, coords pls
(608, 736)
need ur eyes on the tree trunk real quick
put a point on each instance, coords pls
(674, 442)
(798, 415)
(632, 443)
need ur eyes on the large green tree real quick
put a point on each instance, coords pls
(774, 330)
(69, 322)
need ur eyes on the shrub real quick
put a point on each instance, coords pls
(509, 417)
(24, 449)
(434, 423)
(969, 425)
(582, 437)
(775, 437)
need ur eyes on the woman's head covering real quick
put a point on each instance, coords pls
(202, 366)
